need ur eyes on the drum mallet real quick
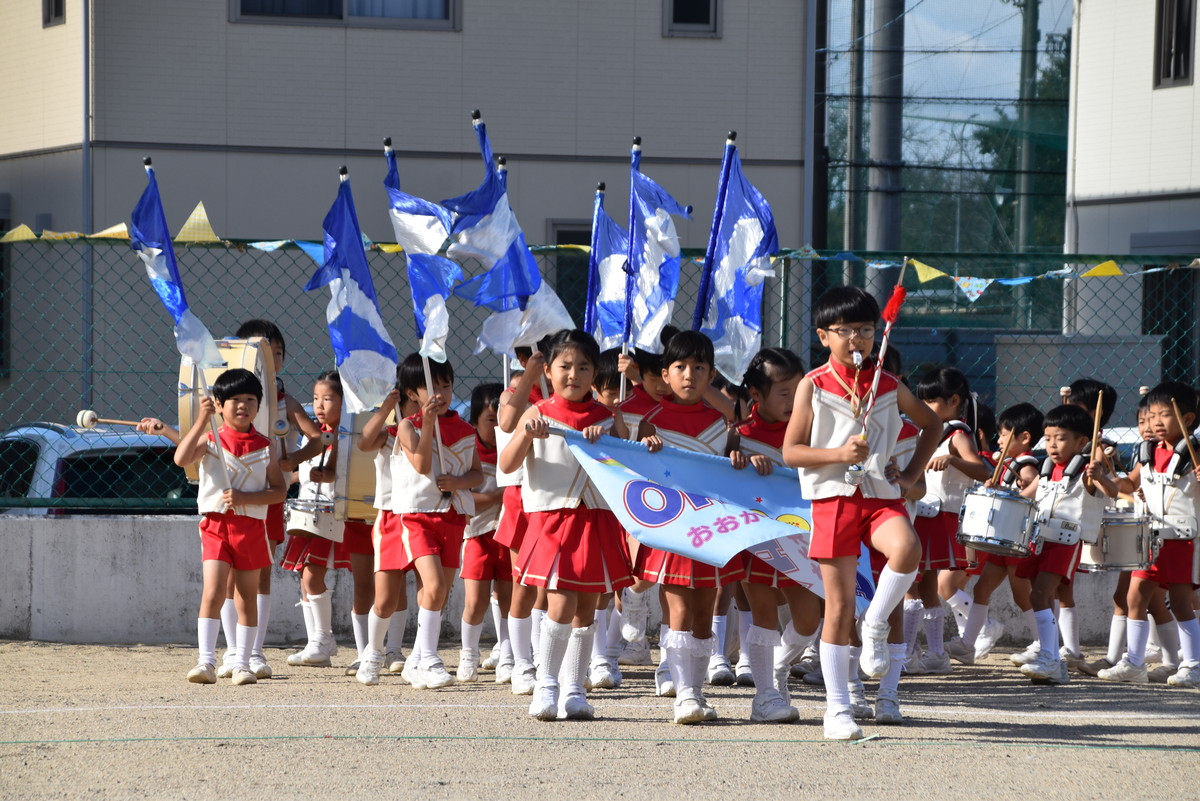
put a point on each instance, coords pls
(1000, 462)
(88, 419)
(1187, 435)
(1087, 482)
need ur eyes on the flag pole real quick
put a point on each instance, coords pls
(635, 159)
(704, 295)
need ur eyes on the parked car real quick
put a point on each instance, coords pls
(41, 462)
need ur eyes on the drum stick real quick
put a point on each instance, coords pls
(437, 430)
(1187, 435)
(624, 352)
(1087, 481)
(88, 419)
(1000, 463)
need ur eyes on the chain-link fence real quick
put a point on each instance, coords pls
(80, 327)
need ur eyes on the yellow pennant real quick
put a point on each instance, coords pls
(1103, 269)
(118, 231)
(54, 236)
(197, 228)
(925, 272)
(386, 248)
(22, 233)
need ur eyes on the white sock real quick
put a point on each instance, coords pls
(264, 615)
(245, 640)
(890, 683)
(537, 616)
(612, 637)
(229, 620)
(1031, 621)
(664, 635)
(520, 633)
(791, 647)
(745, 621)
(1047, 629)
(574, 669)
(935, 626)
(470, 636)
(1116, 639)
(397, 623)
(322, 612)
(554, 641)
(888, 592)
(306, 611)
(719, 625)
(207, 629)
(600, 636)
(855, 653)
(499, 623)
(675, 653)
(1173, 639)
(429, 628)
(960, 604)
(1068, 624)
(701, 651)
(377, 632)
(1153, 642)
(913, 610)
(976, 618)
(361, 637)
(759, 646)
(835, 667)
(1136, 634)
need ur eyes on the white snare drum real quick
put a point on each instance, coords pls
(998, 521)
(309, 518)
(1125, 543)
(252, 354)
(354, 487)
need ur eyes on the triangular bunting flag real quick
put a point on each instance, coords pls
(22, 233)
(391, 248)
(118, 231)
(268, 247)
(805, 252)
(925, 272)
(972, 287)
(55, 236)
(197, 228)
(1103, 269)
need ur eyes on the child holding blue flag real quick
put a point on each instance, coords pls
(855, 499)
(573, 547)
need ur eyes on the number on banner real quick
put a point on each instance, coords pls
(654, 506)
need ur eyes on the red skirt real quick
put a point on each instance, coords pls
(513, 523)
(275, 525)
(484, 559)
(437, 534)
(937, 535)
(357, 537)
(580, 550)
(1178, 562)
(389, 547)
(664, 567)
(759, 572)
(1055, 557)
(301, 551)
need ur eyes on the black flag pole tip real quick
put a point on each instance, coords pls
(731, 136)
(475, 114)
(146, 161)
(600, 186)
(501, 160)
(387, 141)
(637, 141)
(343, 173)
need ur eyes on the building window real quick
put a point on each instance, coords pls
(423, 14)
(54, 12)
(699, 18)
(571, 266)
(1174, 44)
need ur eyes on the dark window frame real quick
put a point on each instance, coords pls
(54, 12)
(671, 28)
(1174, 43)
(453, 22)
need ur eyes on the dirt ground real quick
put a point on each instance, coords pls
(122, 722)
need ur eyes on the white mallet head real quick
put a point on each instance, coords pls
(86, 418)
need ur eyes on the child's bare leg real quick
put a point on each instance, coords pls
(312, 579)
(362, 569)
(389, 592)
(217, 575)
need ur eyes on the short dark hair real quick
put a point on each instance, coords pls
(607, 375)
(411, 374)
(844, 304)
(1176, 391)
(689, 345)
(942, 382)
(1086, 391)
(237, 382)
(484, 396)
(649, 361)
(769, 366)
(1069, 417)
(1021, 418)
(262, 328)
(572, 339)
(332, 378)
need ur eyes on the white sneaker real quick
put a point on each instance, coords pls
(576, 707)
(544, 705)
(664, 687)
(1160, 674)
(600, 675)
(810, 660)
(203, 673)
(782, 674)
(770, 707)
(228, 664)
(352, 668)
(936, 664)
(393, 660)
(368, 671)
(1073, 661)
(1153, 654)
(504, 672)
(858, 701)
(814, 677)
(316, 654)
(961, 651)
(242, 675)
(436, 675)
(887, 710)
(635, 652)
(706, 708)
(1094, 667)
(413, 674)
(1188, 675)
(1028, 655)
(992, 631)
(259, 666)
(875, 658)
(688, 711)
(720, 674)
(492, 659)
(742, 673)
(634, 609)
(524, 680)
(840, 725)
(468, 665)
(1125, 671)
(1046, 666)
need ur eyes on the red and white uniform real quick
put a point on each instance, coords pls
(1008, 480)
(511, 527)
(238, 535)
(483, 559)
(301, 551)
(635, 408)
(573, 541)
(698, 428)
(760, 438)
(906, 446)
(1065, 510)
(385, 533)
(937, 513)
(1173, 505)
(844, 516)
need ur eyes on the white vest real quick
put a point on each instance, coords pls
(752, 447)
(505, 479)
(711, 440)
(553, 477)
(383, 472)
(414, 492)
(1172, 502)
(945, 488)
(1066, 512)
(485, 521)
(247, 473)
(833, 425)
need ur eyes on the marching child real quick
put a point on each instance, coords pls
(1071, 494)
(954, 468)
(573, 547)
(686, 421)
(1020, 427)
(1167, 475)
(431, 491)
(485, 564)
(233, 533)
(824, 438)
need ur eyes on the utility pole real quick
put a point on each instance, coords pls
(1029, 44)
(884, 183)
(852, 225)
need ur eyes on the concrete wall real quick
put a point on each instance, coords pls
(137, 580)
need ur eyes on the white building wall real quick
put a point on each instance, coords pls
(41, 92)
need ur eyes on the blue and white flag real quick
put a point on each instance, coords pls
(653, 268)
(604, 314)
(432, 279)
(738, 260)
(420, 226)
(150, 237)
(366, 357)
(484, 228)
(696, 505)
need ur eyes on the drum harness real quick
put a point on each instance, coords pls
(1171, 527)
(931, 506)
(1050, 528)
